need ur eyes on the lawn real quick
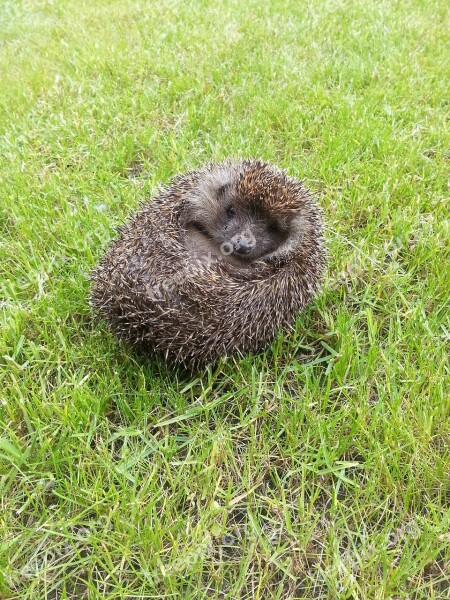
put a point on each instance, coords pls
(319, 468)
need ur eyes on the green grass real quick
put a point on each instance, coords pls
(316, 469)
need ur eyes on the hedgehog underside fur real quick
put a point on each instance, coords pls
(153, 290)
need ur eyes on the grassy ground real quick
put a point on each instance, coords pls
(317, 469)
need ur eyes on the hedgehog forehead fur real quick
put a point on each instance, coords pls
(154, 287)
(249, 184)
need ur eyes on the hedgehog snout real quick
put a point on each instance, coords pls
(244, 242)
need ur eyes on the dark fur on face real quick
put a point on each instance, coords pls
(230, 218)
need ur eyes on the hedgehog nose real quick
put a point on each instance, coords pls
(242, 246)
(243, 242)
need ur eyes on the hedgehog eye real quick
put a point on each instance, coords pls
(199, 227)
(231, 212)
(272, 227)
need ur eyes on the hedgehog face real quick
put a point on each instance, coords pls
(241, 233)
(235, 226)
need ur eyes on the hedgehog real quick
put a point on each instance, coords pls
(215, 265)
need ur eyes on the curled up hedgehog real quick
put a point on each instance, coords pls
(216, 264)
